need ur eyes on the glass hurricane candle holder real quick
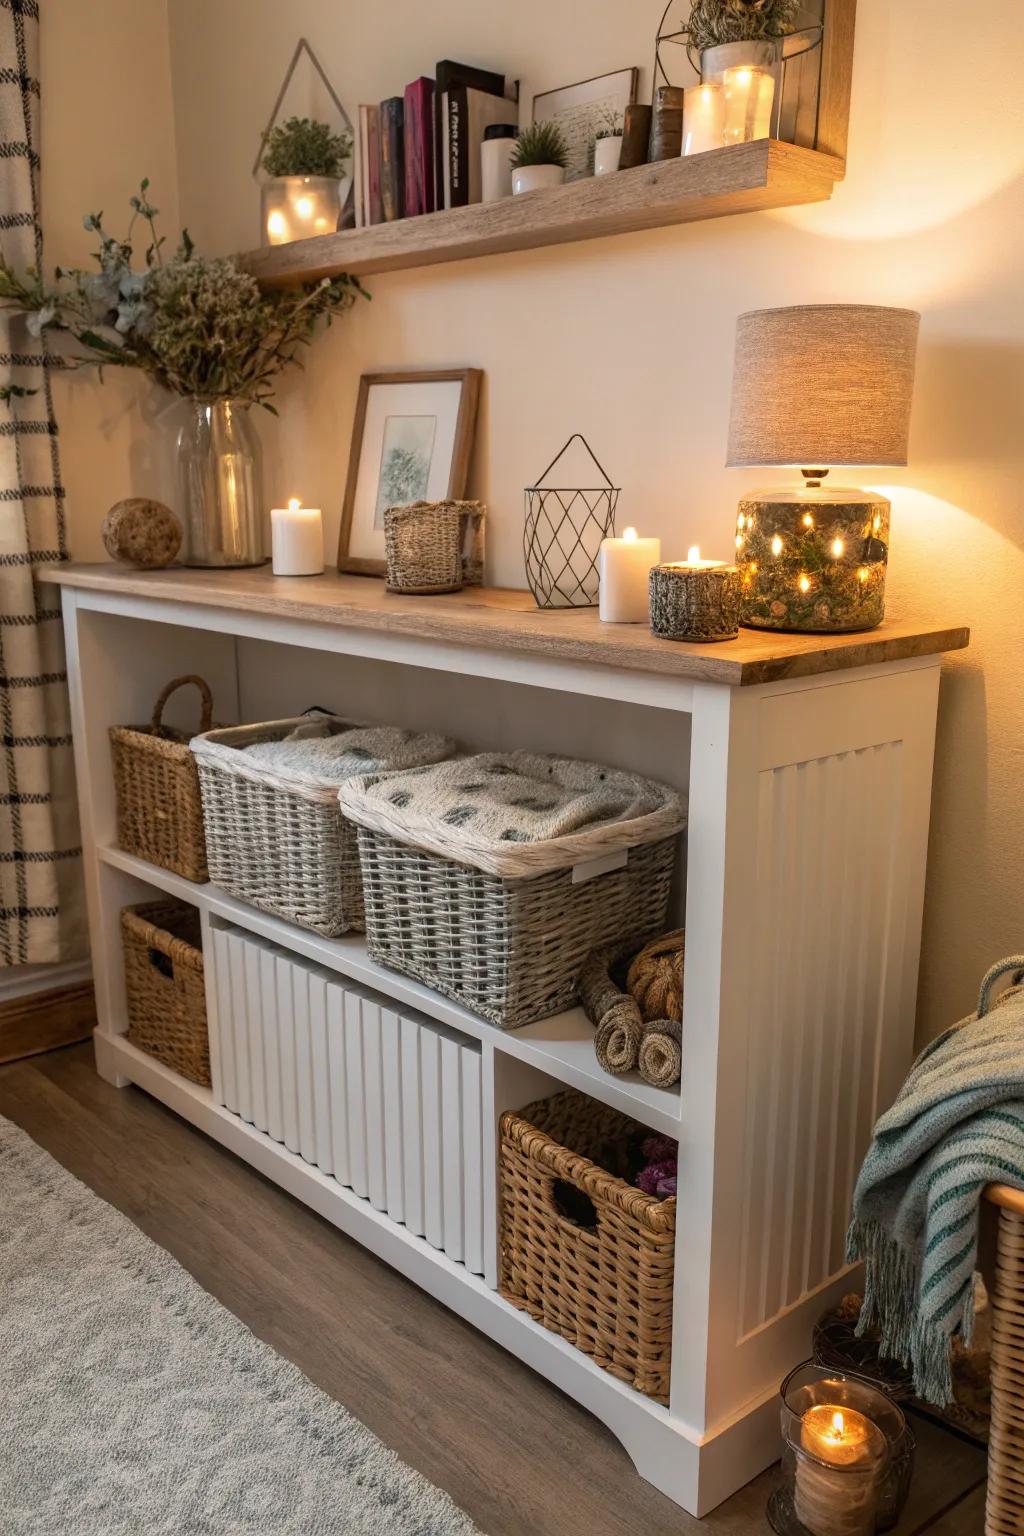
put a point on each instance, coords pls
(749, 94)
(847, 1457)
(299, 207)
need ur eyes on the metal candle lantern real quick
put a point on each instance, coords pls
(847, 1457)
(563, 534)
(819, 384)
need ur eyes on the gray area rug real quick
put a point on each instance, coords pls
(132, 1401)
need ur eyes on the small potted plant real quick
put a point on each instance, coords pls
(727, 33)
(539, 158)
(607, 144)
(309, 171)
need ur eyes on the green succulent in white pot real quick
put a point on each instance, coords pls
(539, 158)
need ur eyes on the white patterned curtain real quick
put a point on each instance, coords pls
(41, 919)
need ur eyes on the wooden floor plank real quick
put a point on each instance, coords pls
(520, 1457)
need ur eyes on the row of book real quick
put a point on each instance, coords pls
(421, 151)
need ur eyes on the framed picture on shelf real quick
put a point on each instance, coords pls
(412, 441)
(582, 110)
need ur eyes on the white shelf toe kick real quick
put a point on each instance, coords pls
(803, 890)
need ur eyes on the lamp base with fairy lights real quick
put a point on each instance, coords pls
(813, 559)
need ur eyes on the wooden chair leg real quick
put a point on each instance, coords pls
(1004, 1510)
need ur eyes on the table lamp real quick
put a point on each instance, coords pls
(816, 386)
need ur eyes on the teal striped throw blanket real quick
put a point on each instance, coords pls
(957, 1125)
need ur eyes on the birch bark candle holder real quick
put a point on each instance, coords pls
(695, 599)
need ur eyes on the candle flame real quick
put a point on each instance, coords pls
(630, 535)
(838, 1426)
(693, 554)
(294, 504)
(276, 224)
(304, 207)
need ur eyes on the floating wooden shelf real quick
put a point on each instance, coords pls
(740, 179)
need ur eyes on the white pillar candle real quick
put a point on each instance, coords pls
(624, 566)
(749, 93)
(297, 540)
(703, 118)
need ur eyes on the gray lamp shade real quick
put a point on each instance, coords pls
(821, 384)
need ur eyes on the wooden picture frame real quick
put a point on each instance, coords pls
(447, 478)
(579, 111)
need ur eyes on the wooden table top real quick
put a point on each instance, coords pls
(498, 618)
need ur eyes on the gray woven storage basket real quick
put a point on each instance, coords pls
(275, 835)
(509, 940)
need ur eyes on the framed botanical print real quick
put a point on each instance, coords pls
(412, 441)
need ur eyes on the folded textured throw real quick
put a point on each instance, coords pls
(957, 1125)
(515, 812)
(319, 749)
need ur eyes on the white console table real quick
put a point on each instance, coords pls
(807, 765)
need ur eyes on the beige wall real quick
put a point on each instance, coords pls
(630, 340)
(107, 122)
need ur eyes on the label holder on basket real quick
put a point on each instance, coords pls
(589, 869)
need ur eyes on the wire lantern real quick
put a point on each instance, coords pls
(562, 536)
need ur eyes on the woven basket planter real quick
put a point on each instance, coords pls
(587, 1255)
(159, 811)
(509, 940)
(163, 972)
(277, 838)
(434, 546)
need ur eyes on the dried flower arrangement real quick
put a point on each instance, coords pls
(540, 144)
(713, 22)
(197, 325)
(304, 147)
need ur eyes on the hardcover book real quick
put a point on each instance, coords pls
(447, 75)
(467, 113)
(419, 147)
(369, 163)
(392, 157)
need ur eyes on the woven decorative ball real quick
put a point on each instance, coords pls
(141, 532)
(655, 978)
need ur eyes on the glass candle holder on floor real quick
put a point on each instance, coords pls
(847, 1457)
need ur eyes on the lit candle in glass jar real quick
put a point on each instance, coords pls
(703, 118)
(749, 93)
(837, 1481)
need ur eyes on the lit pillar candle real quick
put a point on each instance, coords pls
(297, 540)
(703, 118)
(837, 1482)
(695, 599)
(623, 567)
(749, 93)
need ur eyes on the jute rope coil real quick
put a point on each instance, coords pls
(624, 1041)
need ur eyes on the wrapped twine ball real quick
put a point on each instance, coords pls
(655, 978)
(141, 532)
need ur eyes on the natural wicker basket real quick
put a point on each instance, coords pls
(509, 949)
(163, 972)
(584, 1253)
(159, 812)
(434, 546)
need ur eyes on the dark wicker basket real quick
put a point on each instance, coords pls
(163, 972)
(582, 1251)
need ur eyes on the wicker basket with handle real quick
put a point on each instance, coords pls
(163, 969)
(159, 811)
(582, 1251)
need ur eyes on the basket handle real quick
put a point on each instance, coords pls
(206, 713)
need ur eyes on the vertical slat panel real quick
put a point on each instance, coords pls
(240, 1031)
(431, 1121)
(337, 1082)
(271, 1043)
(373, 1088)
(391, 1073)
(253, 1025)
(303, 1061)
(412, 1126)
(355, 1094)
(222, 1058)
(472, 1138)
(451, 1149)
(286, 1053)
(324, 1142)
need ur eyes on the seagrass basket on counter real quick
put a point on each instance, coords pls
(434, 546)
(159, 810)
(583, 1251)
(164, 981)
(466, 889)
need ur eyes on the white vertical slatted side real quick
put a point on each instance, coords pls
(286, 1052)
(472, 1164)
(431, 1120)
(828, 880)
(221, 1052)
(337, 1082)
(452, 1150)
(373, 1089)
(412, 1126)
(240, 1032)
(319, 1069)
(252, 1025)
(303, 1060)
(355, 1097)
(270, 1039)
(394, 1138)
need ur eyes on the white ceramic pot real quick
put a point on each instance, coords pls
(530, 178)
(607, 153)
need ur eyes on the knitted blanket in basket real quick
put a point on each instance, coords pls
(552, 810)
(318, 749)
(957, 1125)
